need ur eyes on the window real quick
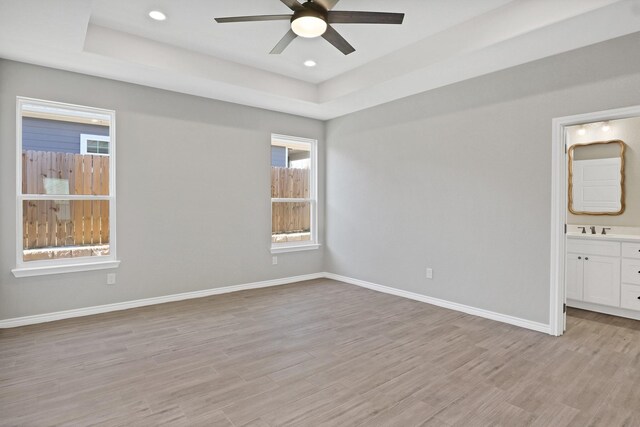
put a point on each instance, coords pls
(94, 144)
(65, 188)
(293, 194)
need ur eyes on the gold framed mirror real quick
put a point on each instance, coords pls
(596, 178)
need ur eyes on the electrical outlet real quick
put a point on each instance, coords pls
(274, 260)
(429, 273)
(111, 278)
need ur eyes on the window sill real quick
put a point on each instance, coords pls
(294, 248)
(66, 268)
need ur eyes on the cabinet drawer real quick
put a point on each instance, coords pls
(629, 297)
(631, 250)
(631, 271)
(592, 247)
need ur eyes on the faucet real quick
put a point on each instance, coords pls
(584, 230)
(604, 230)
(593, 229)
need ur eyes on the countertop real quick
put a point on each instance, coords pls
(607, 237)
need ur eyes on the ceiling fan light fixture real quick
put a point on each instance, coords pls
(308, 23)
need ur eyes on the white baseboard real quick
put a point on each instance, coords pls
(67, 314)
(523, 323)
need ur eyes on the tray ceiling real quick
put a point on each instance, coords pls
(440, 42)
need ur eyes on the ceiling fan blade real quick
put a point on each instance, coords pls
(293, 4)
(327, 4)
(252, 18)
(333, 37)
(352, 17)
(284, 42)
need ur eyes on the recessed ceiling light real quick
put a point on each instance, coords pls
(606, 127)
(309, 63)
(157, 15)
(582, 130)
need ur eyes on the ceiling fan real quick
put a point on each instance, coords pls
(313, 19)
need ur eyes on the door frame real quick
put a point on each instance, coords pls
(557, 297)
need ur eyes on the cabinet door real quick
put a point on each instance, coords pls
(602, 280)
(574, 276)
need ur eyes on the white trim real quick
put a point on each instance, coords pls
(88, 311)
(293, 247)
(559, 204)
(58, 108)
(79, 312)
(55, 266)
(516, 321)
(558, 220)
(281, 140)
(63, 197)
(66, 268)
(285, 141)
(291, 200)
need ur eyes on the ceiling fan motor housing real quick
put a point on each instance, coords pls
(311, 20)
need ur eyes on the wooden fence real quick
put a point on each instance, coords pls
(54, 223)
(289, 217)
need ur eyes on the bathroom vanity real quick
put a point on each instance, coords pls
(603, 273)
(602, 261)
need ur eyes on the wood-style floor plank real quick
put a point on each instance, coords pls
(317, 353)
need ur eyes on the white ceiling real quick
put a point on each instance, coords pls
(440, 42)
(249, 43)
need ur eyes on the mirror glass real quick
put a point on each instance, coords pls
(596, 178)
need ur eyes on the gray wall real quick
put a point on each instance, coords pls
(627, 130)
(459, 179)
(55, 135)
(193, 193)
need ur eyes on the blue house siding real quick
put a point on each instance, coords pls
(54, 135)
(279, 157)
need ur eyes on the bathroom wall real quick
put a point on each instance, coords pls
(627, 130)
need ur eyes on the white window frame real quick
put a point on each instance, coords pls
(85, 137)
(64, 265)
(312, 199)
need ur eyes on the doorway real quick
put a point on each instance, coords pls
(559, 204)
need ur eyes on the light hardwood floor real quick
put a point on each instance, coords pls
(317, 353)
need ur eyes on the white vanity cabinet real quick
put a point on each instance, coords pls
(601, 280)
(575, 276)
(593, 271)
(630, 291)
(603, 272)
